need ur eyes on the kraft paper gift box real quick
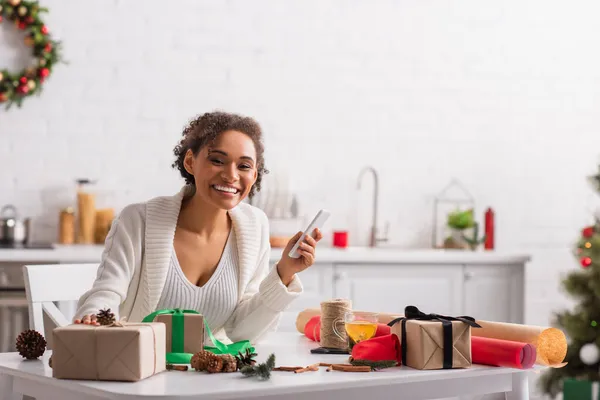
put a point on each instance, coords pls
(124, 352)
(184, 333)
(432, 341)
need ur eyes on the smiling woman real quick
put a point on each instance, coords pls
(203, 248)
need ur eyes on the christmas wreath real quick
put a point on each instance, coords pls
(16, 86)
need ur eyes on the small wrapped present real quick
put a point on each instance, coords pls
(432, 341)
(119, 352)
(184, 333)
(574, 389)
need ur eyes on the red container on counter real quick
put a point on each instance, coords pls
(340, 239)
(489, 229)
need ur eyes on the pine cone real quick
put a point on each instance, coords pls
(215, 364)
(31, 344)
(246, 358)
(200, 360)
(105, 317)
(229, 363)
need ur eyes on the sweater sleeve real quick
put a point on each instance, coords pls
(265, 297)
(120, 258)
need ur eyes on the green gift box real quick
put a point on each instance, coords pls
(574, 389)
(185, 335)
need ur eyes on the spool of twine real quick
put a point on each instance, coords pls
(332, 317)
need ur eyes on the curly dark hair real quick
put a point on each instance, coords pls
(206, 128)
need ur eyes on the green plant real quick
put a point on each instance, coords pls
(473, 241)
(461, 220)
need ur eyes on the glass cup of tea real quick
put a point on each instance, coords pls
(358, 326)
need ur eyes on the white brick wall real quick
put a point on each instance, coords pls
(501, 95)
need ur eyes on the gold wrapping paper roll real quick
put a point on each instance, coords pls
(305, 315)
(550, 343)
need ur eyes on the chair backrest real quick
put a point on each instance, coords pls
(46, 284)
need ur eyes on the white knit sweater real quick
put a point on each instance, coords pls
(135, 262)
(216, 300)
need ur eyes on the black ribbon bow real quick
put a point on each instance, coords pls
(412, 312)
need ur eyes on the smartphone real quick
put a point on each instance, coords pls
(317, 222)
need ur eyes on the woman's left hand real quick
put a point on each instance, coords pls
(287, 266)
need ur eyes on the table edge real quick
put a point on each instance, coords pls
(76, 386)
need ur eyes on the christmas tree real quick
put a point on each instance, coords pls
(582, 325)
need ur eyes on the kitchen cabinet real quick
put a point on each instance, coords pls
(391, 287)
(317, 282)
(14, 313)
(493, 291)
(482, 284)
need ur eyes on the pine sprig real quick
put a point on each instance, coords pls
(375, 365)
(262, 371)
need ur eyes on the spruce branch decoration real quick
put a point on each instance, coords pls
(262, 371)
(375, 365)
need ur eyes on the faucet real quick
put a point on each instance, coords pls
(374, 239)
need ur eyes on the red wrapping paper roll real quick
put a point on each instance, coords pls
(312, 329)
(502, 353)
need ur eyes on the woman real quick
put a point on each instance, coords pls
(202, 249)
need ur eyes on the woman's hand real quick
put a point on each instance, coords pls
(287, 267)
(88, 320)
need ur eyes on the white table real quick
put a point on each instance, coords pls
(34, 378)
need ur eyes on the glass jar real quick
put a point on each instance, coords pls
(86, 210)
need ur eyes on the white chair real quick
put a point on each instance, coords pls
(46, 284)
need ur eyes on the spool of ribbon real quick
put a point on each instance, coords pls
(413, 313)
(176, 355)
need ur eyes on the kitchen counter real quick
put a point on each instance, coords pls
(92, 253)
(385, 279)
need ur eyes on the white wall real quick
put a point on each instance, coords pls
(501, 95)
